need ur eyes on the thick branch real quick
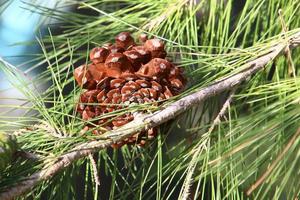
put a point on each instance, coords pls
(144, 121)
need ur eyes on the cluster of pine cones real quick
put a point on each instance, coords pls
(122, 74)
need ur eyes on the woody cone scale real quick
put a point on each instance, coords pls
(122, 74)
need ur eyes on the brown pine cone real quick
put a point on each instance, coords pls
(124, 74)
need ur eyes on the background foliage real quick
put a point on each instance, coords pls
(210, 40)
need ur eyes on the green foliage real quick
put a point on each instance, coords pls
(211, 40)
(8, 147)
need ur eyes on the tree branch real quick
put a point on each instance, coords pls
(146, 121)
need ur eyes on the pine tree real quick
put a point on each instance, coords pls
(233, 133)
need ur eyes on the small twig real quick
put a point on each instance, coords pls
(185, 194)
(273, 165)
(95, 170)
(50, 130)
(288, 54)
(147, 121)
(223, 110)
(43, 125)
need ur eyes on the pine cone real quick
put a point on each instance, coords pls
(122, 74)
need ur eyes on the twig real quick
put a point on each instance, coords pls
(288, 54)
(146, 121)
(223, 110)
(185, 194)
(50, 130)
(43, 125)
